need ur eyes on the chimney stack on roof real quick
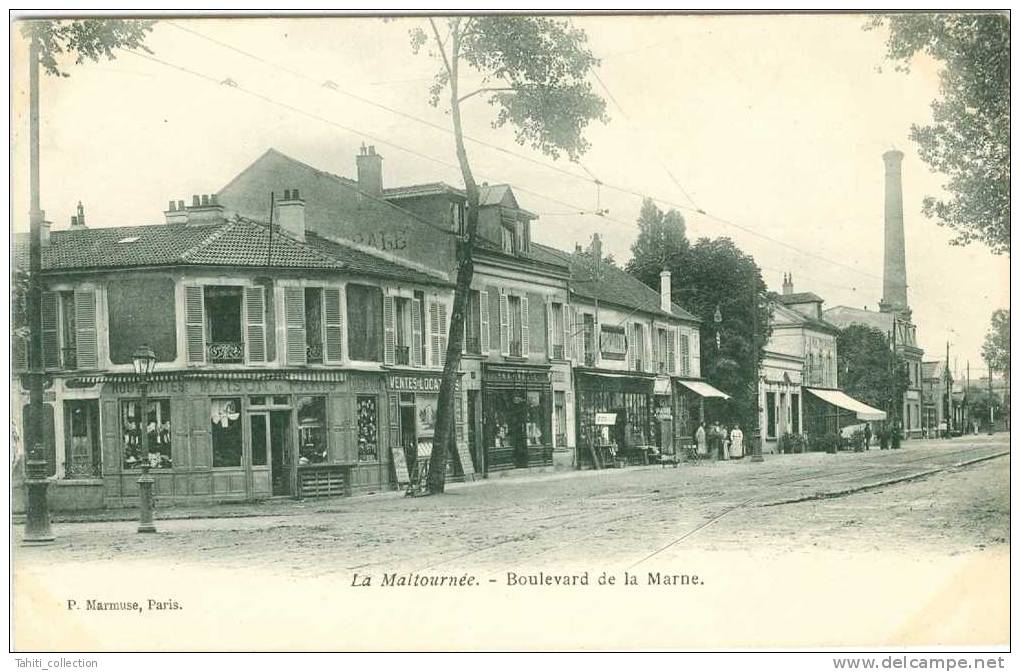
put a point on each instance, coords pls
(79, 221)
(204, 209)
(370, 171)
(787, 283)
(290, 214)
(176, 213)
(666, 291)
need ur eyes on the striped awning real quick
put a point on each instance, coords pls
(846, 402)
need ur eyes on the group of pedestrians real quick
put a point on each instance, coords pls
(719, 441)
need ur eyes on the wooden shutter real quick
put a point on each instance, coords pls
(525, 323)
(19, 346)
(294, 319)
(631, 347)
(342, 423)
(194, 323)
(443, 333)
(51, 330)
(504, 324)
(656, 354)
(695, 353)
(567, 328)
(109, 420)
(434, 341)
(334, 322)
(577, 327)
(483, 312)
(85, 327)
(670, 351)
(417, 355)
(549, 328)
(685, 354)
(390, 330)
(255, 324)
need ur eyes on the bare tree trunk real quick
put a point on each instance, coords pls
(445, 434)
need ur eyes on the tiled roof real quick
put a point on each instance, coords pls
(614, 286)
(844, 316)
(236, 243)
(799, 297)
(427, 189)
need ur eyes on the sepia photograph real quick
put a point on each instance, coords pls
(507, 332)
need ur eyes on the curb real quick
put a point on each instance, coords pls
(871, 486)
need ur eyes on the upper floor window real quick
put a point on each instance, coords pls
(402, 330)
(613, 342)
(226, 324)
(514, 326)
(556, 331)
(223, 331)
(473, 323)
(516, 330)
(588, 339)
(685, 354)
(637, 347)
(365, 323)
(508, 238)
(69, 330)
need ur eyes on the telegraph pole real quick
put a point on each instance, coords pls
(37, 523)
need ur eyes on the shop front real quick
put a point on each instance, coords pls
(620, 418)
(517, 402)
(689, 401)
(413, 398)
(232, 436)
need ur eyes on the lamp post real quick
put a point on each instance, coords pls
(991, 412)
(756, 454)
(144, 360)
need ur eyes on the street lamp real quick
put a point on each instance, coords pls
(144, 360)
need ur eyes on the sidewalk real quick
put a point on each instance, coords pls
(285, 506)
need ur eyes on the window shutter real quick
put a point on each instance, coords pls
(525, 339)
(50, 331)
(390, 328)
(334, 323)
(670, 352)
(20, 353)
(434, 334)
(578, 329)
(483, 311)
(696, 354)
(504, 324)
(549, 328)
(194, 323)
(343, 448)
(444, 333)
(685, 354)
(416, 349)
(85, 326)
(294, 319)
(631, 348)
(656, 355)
(567, 330)
(255, 323)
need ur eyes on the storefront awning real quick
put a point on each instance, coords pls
(703, 389)
(846, 402)
(619, 382)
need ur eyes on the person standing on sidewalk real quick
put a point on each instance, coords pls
(701, 439)
(867, 435)
(736, 443)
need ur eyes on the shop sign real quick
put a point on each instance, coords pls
(227, 386)
(516, 375)
(415, 383)
(605, 418)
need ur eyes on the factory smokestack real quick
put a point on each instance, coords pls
(894, 281)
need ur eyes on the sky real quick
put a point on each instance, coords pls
(774, 126)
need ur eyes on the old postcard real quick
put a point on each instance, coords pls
(510, 333)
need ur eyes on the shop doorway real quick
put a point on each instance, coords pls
(83, 458)
(409, 434)
(271, 449)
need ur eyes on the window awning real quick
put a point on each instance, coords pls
(619, 382)
(703, 389)
(845, 401)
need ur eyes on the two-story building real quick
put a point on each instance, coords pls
(285, 360)
(799, 386)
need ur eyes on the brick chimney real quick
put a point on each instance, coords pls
(78, 222)
(204, 209)
(290, 214)
(596, 255)
(370, 171)
(176, 213)
(894, 279)
(666, 291)
(787, 283)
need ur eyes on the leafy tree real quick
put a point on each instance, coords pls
(868, 368)
(534, 73)
(85, 39)
(968, 140)
(709, 275)
(995, 349)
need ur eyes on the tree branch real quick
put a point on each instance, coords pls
(484, 90)
(442, 47)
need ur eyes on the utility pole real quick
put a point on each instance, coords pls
(37, 523)
(991, 399)
(966, 398)
(756, 448)
(949, 397)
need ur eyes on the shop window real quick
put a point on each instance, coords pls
(82, 453)
(225, 417)
(368, 428)
(795, 412)
(473, 326)
(158, 426)
(365, 322)
(537, 431)
(311, 417)
(770, 410)
(560, 409)
(223, 330)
